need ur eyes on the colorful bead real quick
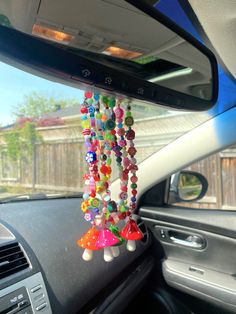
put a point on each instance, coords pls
(111, 206)
(123, 196)
(110, 124)
(130, 134)
(119, 112)
(88, 95)
(134, 179)
(96, 96)
(129, 121)
(94, 202)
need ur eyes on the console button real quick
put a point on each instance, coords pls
(27, 310)
(36, 288)
(41, 306)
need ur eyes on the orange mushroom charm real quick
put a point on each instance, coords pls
(88, 242)
(131, 233)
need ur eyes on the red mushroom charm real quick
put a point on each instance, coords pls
(105, 240)
(131, 233)
(88, 242)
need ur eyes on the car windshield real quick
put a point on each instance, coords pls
(42, 151)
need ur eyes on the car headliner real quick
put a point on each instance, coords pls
(227, 87)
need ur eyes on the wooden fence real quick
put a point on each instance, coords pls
(59, 166)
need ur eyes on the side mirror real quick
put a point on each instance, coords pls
(187, 186)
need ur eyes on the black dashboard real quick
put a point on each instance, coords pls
(54, 278)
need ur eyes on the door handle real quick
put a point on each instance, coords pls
(191, 241)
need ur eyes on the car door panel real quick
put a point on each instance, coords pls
(199, 247)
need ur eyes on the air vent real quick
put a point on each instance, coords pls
(144, 230)
(12, 260)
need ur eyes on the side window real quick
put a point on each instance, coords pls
(220, 171)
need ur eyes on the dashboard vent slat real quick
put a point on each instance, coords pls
(12, 260)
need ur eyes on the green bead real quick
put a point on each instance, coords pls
(133, 186)
(105, 99)
(111, 102)
(90, 101)
(110, 124)
(129, 121)
(98, 115)
(109, 137)
(123, 209)
(85, 124)
(128, 114)
(108, 162)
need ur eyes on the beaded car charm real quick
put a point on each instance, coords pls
(107, 132)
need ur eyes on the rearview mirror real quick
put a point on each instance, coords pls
(126, 47)
(187, 186)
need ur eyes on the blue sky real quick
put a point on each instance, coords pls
(14, 84)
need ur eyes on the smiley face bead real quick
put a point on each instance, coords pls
(119, 112)
(123, 196)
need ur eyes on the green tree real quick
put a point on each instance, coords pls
(21, 141)
(37, 104)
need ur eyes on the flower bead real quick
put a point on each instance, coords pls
(84, 206)
(88, 217)
(91, 109)
(90, 157)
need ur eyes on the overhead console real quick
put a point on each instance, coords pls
(22, 296)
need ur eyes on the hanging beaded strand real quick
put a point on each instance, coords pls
(130, 136)
(105, 133)
(123, 167)
(131, 231)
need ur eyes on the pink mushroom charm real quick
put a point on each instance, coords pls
(105, 240)
(131, 233)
